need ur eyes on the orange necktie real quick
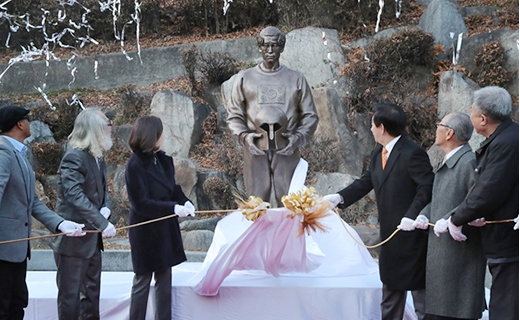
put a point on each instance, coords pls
(383, 157)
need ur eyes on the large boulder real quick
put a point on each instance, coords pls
(40, 132)
(327, 183)
(182, 121)
(440, 18)
(455, 93)
(333, 129)
(383, 34)
(508, 39)
(225, 90)
(214, 190)
(305, 52)
(361, 124)
(186, 177)
(122, 134)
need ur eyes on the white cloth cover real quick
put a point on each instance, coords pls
(336, 253)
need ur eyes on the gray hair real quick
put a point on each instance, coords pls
(494, 102)
(89, 132)
(461, 125)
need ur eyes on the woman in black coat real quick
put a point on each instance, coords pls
(157, 246)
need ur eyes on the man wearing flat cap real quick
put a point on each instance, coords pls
(18, 201)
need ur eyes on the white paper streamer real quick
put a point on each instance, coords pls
(71, 62)
(53, 108)
(136, 17)
(75, 100)
(398, 8)
(96, 76)
(226, 5)
(381, 5)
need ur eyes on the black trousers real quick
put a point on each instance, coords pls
(13, 290)
(393, 304)
(79, 285)
(504, 291)
(436, 317)
(163, 295)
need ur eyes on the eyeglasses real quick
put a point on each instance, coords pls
(110, 123)
(443, 125)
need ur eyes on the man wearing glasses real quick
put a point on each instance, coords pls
(455, 271)
(18, 202)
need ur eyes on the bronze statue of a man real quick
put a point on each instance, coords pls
(272, 114)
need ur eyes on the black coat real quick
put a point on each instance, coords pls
(495, 193)
(153, 194)
(403, 189)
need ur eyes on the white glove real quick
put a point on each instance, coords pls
(109, 232)
(441, 226)
(421, 222)
(72, 229)
(333, 199)
(406, 224)
(480, 222)
(456, 232)
(105, 212)
(188, 205)
(181, 211)
(516, 224)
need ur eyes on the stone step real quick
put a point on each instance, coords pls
(112, 260)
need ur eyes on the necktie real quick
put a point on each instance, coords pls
(383, 157)
(22, 153)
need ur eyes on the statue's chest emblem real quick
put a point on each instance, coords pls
(271, 94)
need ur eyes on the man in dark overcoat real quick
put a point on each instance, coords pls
(401, 176)
(495, 197)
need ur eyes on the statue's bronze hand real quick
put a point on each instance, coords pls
(250, 143)
(294, 143)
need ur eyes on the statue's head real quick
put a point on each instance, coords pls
(271, 32)
(271, 42)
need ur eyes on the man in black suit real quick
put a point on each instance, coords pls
(495, 197)
(401, 176)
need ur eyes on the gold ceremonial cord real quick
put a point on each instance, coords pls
(396, 230)
(117, 229)
(215, 211)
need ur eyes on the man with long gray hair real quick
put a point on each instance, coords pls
(455, 271)
(83, 195)
(495, 197)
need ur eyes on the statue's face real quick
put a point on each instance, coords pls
(271, 50)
